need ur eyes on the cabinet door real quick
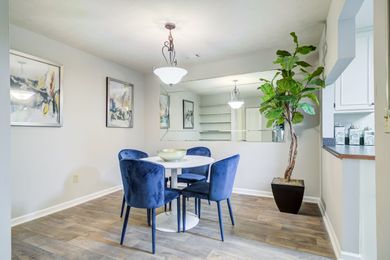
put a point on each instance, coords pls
(354, 88)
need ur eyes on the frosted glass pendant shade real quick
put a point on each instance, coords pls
(170, 75)
(235, 101)
(20, 94)
(236, 104)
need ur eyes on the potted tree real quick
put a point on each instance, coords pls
(286, 98)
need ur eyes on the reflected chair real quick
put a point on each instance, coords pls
(195, 174)
(219, 188)
(130, 154)
(144, 187)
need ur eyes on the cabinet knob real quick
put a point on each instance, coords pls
(372, 103)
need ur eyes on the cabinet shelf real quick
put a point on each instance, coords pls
(215, 132)
(226, 122)
(210, 139)
(214, 114)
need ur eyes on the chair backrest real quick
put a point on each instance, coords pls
(143, 183)
(201, 170)
(222, 177)
(131, 154)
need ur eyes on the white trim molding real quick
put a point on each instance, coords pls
(65, 205)
(268, 194)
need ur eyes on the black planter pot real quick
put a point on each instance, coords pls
(288, 197)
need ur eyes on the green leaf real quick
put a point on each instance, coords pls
(267, 89)
(309, 90)
(307, 108)
(295, 38)
(274, 114)
(303, 64)
(318, 82)
(287, 62)
(305, 49)
(269, 123)
(317, 72)
(312, 97)
(282, 53)
(297, 118)
(265, 80)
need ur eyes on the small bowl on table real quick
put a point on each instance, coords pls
(172, 155)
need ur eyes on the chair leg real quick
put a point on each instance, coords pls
(178, 214)
(148, 213)
(125, 224)
(123, 205)
(170, 206)
(230, 211)
(165, 207)
(196, 206)
(220, 219)
(184, 214)
(153, 230)
(199, 206)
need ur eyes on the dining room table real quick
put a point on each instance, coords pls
(167, 221)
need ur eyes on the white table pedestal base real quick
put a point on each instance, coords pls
(167, 221)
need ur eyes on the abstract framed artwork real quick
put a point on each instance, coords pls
(119, 103)
(188, 114)
(35, 91)
(164, 111)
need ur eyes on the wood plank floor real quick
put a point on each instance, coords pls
(92, 231)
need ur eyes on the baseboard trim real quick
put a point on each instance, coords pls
(65, 205)
(268, 194)
(332, 234)
(350, 256)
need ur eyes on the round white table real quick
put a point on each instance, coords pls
(167, 221)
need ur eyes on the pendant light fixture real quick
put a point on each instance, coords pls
(235, 101)
(170, 74)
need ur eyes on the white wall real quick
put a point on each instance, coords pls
(381, 53)
(260, 162)
(5, 191)
(43, 160)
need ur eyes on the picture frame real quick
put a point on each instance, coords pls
(188, 114)
(119, 103)
(164, 111)
(36, 91)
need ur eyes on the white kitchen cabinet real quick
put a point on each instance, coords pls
(354, 89)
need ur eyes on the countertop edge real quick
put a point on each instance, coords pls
(348, 156)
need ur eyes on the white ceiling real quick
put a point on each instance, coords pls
(247, 84)
(130, 32)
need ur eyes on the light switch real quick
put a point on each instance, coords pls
(75, 178)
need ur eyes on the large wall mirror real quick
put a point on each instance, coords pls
(199, 110)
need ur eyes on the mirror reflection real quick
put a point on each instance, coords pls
(216, 109)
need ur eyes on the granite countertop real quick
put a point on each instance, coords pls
(352, 152)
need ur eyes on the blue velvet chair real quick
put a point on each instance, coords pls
(130, 154)
(218, 189)
(144, 187)
(195, 174)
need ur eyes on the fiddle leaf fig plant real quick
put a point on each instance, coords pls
(291, 93)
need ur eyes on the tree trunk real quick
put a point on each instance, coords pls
(293, 151)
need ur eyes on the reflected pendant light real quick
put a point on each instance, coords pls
(22, 93)
(235, 101)
(170, 74)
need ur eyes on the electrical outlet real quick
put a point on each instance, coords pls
(75, 179)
